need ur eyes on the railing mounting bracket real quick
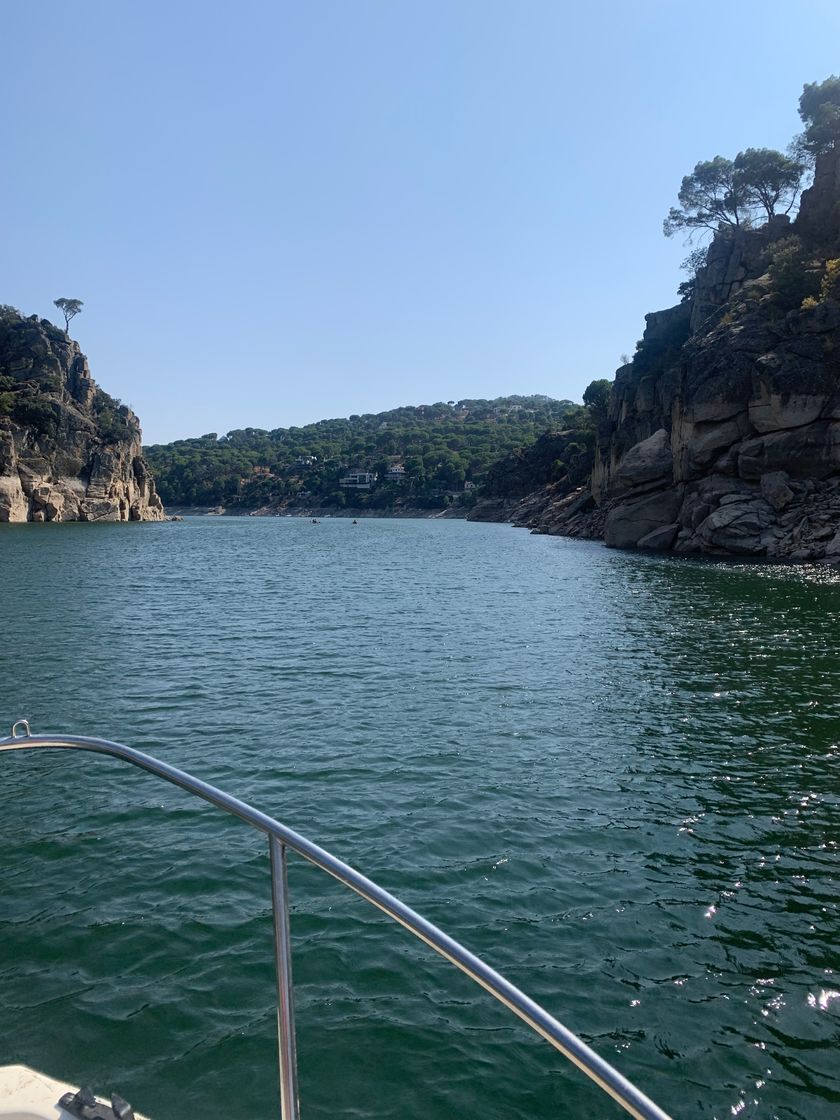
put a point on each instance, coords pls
(85, 1106)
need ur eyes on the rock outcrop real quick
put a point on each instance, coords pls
(722, 436)
(562, 455)
(68, 451)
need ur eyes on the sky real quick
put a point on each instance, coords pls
(281, 212)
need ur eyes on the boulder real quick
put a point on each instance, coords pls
(648, 462)
(702, 442)
(737, 527)
(660, 540)
(629, 521)
(775, 489)
(14, 505)
(100, 509)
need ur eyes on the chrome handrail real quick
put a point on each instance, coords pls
(281, 837)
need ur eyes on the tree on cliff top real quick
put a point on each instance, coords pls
(710, 197)
(69, 308)
(768, 179)
(722, 193)
(819, 108)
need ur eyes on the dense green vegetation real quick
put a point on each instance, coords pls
(445, 450)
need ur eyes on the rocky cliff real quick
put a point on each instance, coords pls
(68, 451)
(722, 436)
(529, 479)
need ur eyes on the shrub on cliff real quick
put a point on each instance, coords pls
(792, 277)
(830, 286)
(113, 426)
(32, 411)
(112, 418)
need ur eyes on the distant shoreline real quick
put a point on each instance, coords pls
(447, 513)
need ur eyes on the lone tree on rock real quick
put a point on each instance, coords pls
(768, 179)
(710, 197)
(68, 308)
(727, 194)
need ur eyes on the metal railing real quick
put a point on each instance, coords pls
(281, 838)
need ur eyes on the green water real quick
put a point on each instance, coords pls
(615, 776)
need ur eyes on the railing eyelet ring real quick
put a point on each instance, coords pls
(20, 729)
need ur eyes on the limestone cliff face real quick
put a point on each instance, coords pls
(723, 434)
(68, 451)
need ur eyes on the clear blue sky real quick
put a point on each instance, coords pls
(280, 212)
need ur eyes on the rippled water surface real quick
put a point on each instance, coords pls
(615, 776)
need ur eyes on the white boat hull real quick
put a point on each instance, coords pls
(26, 1094)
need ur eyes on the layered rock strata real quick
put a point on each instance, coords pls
(68, 451)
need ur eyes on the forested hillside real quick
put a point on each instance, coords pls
(427, 456)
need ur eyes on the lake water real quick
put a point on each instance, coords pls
(615, 776)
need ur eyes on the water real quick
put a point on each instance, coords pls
(615, 776)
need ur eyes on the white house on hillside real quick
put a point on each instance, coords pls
(358, 480)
